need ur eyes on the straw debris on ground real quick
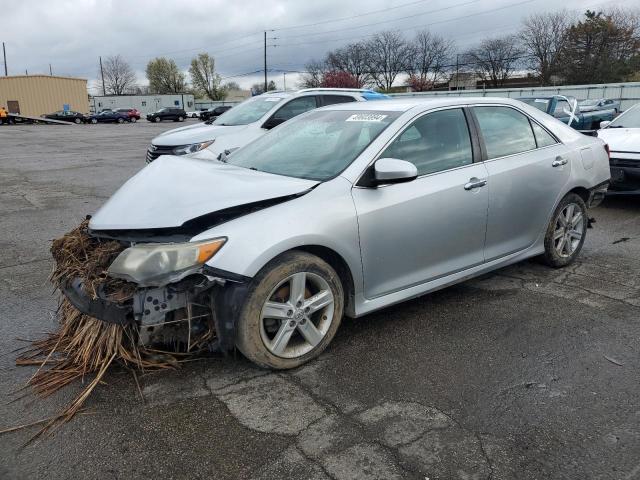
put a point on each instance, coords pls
(83, 346)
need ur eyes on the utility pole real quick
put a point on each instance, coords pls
(284, 80)
(265, 60)
(50, 70)
(104, 92)
(457, 72)
(4, 53)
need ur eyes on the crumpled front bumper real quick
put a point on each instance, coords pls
(149, 307)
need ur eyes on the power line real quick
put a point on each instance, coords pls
(384, 21)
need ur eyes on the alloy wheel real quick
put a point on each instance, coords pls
(569, 229)
(297, 315)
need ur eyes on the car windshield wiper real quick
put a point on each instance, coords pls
(616, 126)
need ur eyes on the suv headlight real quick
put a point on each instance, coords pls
(192, 148)
(156, 264)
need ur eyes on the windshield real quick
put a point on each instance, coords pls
(589, 103)
(539, 103)
(628, 119)
(249, 111)
(315, 146)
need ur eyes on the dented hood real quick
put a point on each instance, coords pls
(173, 190)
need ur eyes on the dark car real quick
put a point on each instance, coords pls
(567, 110)
(213, 113)
(168, 113)
(133, 113)
(109, 116)
(67, 116)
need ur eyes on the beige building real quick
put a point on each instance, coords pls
(34, 95)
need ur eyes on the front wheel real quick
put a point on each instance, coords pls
(566, 232)
(292, 311)
(133, 119)
(120, 120)
(77, 121)
(94, 121)
(181, 119)
(157, 120)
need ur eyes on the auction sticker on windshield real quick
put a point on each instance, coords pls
(366, 117)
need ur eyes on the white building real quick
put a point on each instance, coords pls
(144, 103)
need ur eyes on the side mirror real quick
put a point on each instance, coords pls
(604, 123)
(272, 122)
(392, 170)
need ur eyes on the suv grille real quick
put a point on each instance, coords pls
(155, 151)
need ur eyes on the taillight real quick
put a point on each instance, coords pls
(606, 149)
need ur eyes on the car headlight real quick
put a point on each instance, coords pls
(192, 148)
(156, 264)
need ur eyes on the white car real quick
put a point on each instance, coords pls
(193, 114)
(623, 137)
(249, 120)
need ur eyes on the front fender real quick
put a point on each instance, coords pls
(324, 217)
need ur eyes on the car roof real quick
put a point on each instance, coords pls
(404, 104)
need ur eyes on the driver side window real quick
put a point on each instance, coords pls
(435, 142)
(294, 108)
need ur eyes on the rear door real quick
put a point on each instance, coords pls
(528, 168)
(433, 226)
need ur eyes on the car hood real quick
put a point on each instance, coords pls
(621, 139)
(173, 190)
(587, 109)
(194, 134)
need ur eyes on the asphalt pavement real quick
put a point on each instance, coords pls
(525, 373)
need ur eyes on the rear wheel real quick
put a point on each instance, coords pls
(77, 121)
(566, 232)
(292, 311)
(133, 119)
(120, 120)
(94, 121)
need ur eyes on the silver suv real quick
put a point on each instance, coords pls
(251, 119)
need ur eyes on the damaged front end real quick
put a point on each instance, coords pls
(162, 292)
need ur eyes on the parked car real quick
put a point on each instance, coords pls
(133, 113)
(623, 137)
(343, 211)
(566, 110)
(213, 113)
(109, 116)
(67, 116)
(169, 113)
(192, 114)
(592, 105)
(249, 120)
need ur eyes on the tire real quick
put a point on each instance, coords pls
(181, 118)
(120, 120)
(157, 119)
(77, 121)
(94, 121)
(257, 334)
(133, 119)
(560, 251)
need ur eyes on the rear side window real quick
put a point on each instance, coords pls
(543, 138)
(435, 142)
(334, 99)
(505, 131)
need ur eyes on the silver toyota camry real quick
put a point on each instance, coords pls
(346, 210)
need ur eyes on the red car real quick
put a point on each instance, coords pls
(134, 113)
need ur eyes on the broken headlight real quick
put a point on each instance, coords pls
(156, 264)
(192, 148)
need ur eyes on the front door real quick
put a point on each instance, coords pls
(527, 168)
(430, 227)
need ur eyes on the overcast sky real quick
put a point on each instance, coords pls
(71, 34)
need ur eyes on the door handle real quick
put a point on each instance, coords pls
(475, 183)
(559, 161)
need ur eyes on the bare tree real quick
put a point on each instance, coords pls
(430, 55)
(119, 77)
(314, 72)
(544, 36)
(495, 59)
(352, 59)
(389, 55)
